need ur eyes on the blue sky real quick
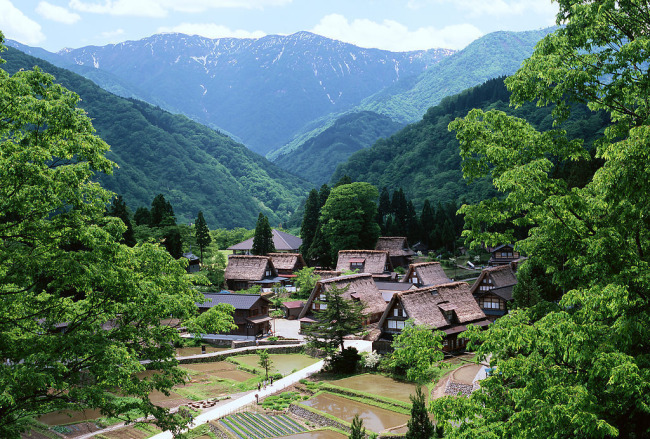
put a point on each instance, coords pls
(397, 25)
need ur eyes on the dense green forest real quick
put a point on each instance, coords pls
(194, 167)
(424, 160)
(316, 159)
(496, 54)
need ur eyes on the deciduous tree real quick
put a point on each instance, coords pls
(579, 368)
(417, 353)
(348, 219)
(79, 310)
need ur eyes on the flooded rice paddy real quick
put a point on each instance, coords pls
(378, 385)
(374, 418)
(282, 363)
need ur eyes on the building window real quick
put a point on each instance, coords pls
(323, 306)
(414, 279)
(491, 303)
(268, 273)
(356, 266)
(398, 312)
(395, 324)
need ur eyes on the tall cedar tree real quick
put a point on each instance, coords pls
(119, 210)
(341, 317)
(309, 222)
(162, 213)
(202, 233)
(420, 425)
(173, 242)
(263, 239)
(357, 430)
(320, 252)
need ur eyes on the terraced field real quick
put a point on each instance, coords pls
(256, 426)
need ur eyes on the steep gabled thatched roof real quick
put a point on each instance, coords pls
(359, 287)
(501, 276)
(374, 261)
(428, 273)
(248, 267)
(287, 261)
(426, 305)
(394, 245)
(326, 274)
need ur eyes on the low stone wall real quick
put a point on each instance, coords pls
(247, 343)
(454, 388)
(217, 431)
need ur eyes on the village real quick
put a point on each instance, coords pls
(263, 379)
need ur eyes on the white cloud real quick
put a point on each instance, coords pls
(112, 34)
(211, 30)
(391, 35)
(139, 8)
(161, 8)
(18, 26)
(498, 8)
(57, 13)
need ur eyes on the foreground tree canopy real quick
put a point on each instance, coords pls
(79, 310)
(580, 368)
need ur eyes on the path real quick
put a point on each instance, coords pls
(220, 412)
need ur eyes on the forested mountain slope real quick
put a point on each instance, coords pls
(194, 167)
(317, 158)
(406, 101)
(424, 160)
(261, 90)
(496, 54)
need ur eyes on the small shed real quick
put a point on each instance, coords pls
(194, 264)
(292, 309)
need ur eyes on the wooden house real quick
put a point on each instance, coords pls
(358, 287)
(425, 274)
(251, 311)
(245, 271)
(282, 241)
(493, 290)
(194, 263)
(448, 307)
(398, 250)
(292, 309)
(375, 262)
(503, 255)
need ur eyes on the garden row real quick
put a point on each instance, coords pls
(256, 426)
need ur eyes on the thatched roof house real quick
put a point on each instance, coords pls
(493, 290)
(425, 273)
(244, 271)
(448, 307)
(326, 274)
(359, 287)
(375, 262)
(282, 241)
(287, 263)
(398, 249)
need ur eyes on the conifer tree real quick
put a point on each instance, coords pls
(309, 222)
(419, 426)
(263, 239)
(202, 232)
(162, 213)
(118, 209)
